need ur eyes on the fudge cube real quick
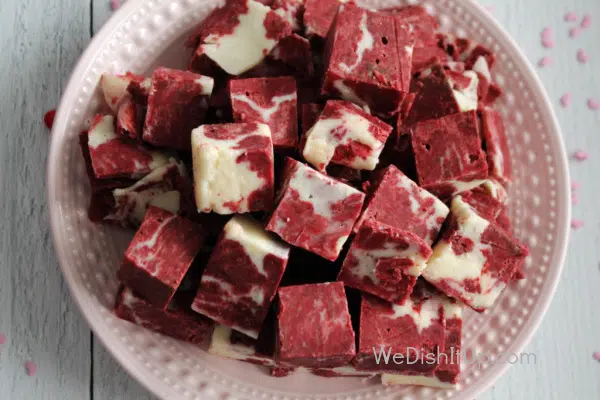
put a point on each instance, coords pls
(319, 15)
(175, 321)
(474, 258)
(233, 168)
(368, 60)
(495, 189)
(242, 276)
(160, 255)
(344, 134)
(270, 101)
(294, 52)
(114, 157)
(404, 336)
(427, 57)
(228, 343)
(167, 187)
(397, 201)
(446, 374)
(424, 25)
(237, 36)
(114, 87)
(315, 212)
(309, 116)
(483, 203)
(496, 145)
(140, 91)
(177, 103)
(448, 151)
(314, 326)
(129, 121)
(291, 11)
(384, 261)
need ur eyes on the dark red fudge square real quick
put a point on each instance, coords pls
(318, 16)
(272, 101)
(314, 326)
(295, 53)
(368, 59)
(448, 150)
(176, 321)
(496, 145)
(160, 255)
(424, 25)
(177, 104)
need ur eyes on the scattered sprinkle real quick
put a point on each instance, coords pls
(575, 185)
(115, 4)
(30, 368)
(570, 16)
(547, 40)
(586, 21)
(593, 104)
(582, 56)
(576, 223)
(566, 99)
(49, 118)
(581, 155)
(2, 338)
(545, 61)
(596, 356)
(574, 32)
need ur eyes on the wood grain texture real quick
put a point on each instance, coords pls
(40, 46)
(43, 38)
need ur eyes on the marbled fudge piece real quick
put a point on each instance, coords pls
(314, 327)
(270, 101)
(496, 145)
(344, 134)
(446, 374)
(114, 157)
(384, 261)
(474, 258)
(114, 87)
(315, 212)
(167, 187)
(413, 330)
(160, 255)
(294, 52)
(319, 15)
(368, 60)
(177, 103)
(237, 36)
(129, 119)
(447, 152)
(242, 276)
(424, 25)
(397, 201)
(233, 168)
(291, 11)
(175, 321)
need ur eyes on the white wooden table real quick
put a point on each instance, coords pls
(41, 40)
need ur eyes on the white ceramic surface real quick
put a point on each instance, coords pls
(147, 33)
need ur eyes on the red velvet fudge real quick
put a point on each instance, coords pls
(314, 327)
(345, 134)
(233, 168)
(384, 261)
(242, 276)
(175, 321)
(238, 36)
(397, 201)
(114, 157)
(271, 101)
(427, 57)
(318, 16)
(159, 255)
(294, 52)
(368, 60)
(413, 331)
(314, 211)
(177, 103)
(291, 11)
(448, 151)
(446, 374)
(496, 145)
(474, 258)
(114, 87)
(129, 119)
(309, 116)
(495, 189)
(424, 25)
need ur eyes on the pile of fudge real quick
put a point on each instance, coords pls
(324, 182)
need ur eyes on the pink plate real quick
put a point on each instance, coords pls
(147, 33)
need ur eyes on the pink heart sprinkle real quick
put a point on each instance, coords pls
(581, 155)
(596, 356)
(545, 61)
(30, 368)
(586, 21)
(114, 4)
(570, 17)
(547, 33)
(575, 185)
(548, 43)
(576, 223)
(593, 104)
(2, 338)
(566, 99)
(582, 56)
(574, 32)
